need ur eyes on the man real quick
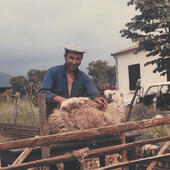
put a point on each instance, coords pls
(66, 81)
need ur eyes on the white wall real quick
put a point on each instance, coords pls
(147, 76)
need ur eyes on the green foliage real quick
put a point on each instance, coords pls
(18, 84)
(28, 86)
(151, 30)
(35, 78)
(35, 75)
(102, 74)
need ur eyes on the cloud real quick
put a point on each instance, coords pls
(34, 32)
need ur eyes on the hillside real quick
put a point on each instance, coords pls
(4, 79)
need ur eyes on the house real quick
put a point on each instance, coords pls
(130, 67)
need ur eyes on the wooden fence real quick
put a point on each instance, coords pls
(19, 131)
(70, 138)
(3, 98)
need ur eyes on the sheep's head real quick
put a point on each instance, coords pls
(112, 95)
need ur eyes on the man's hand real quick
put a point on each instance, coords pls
(59, 99)
(102, 101)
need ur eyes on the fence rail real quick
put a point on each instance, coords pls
(48, 142)
(84, 134)
(19, 131)
(3, 98)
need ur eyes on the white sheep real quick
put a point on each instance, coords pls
(82, 113)
(149, 149)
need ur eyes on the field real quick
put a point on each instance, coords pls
(28, 114)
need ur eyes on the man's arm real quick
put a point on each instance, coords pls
(47, 85)
(94, 94)
(58, 99)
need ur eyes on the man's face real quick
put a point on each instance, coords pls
(72, 61)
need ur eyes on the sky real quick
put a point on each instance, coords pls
(33, 33)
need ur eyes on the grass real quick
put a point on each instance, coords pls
(141, 112)
(26, 114)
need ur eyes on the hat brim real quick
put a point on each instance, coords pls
(75, 49)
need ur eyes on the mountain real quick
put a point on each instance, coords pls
(4, 79)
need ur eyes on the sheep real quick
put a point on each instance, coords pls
(149, 150)
(82, 113)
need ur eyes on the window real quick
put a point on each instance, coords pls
(134, 75)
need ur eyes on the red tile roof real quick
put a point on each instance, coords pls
(125, 50)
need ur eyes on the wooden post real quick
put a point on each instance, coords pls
(163, 149)
(15, 109)
(0, 161)
(45, 150)
(133, 99)
(22, 156)
(123, 140)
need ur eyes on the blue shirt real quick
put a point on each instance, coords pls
(55, 83)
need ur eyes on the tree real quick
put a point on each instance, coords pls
(102, 74)
(151, 30)
(35, 75)
(17, 84)
(35, 78)
(28, 86)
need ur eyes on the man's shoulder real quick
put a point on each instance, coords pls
(83, 75)
(56, 68)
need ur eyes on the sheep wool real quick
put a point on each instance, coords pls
(82, 113)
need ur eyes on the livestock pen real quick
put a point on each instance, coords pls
(102, 141)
